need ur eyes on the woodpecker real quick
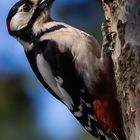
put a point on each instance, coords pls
(71, 65)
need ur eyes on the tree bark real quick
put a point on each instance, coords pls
(124, 16)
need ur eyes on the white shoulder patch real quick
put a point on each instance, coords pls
(55, 83)
(68, 100)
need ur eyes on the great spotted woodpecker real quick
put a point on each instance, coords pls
(71, 65)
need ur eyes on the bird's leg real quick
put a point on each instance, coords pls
(108, 39)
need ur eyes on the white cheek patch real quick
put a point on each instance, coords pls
(54, 83)
(20, 20)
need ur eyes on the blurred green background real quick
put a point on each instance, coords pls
(27, 110)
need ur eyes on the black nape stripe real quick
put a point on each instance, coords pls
(52, 29)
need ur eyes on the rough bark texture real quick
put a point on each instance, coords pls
(125, 21)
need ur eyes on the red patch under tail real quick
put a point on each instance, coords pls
(109, 116)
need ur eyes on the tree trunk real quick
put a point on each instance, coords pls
(125, 21)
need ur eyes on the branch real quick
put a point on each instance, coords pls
(125, 20)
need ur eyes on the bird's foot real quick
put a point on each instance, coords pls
(108, 38)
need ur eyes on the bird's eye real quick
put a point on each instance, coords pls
(27, 7)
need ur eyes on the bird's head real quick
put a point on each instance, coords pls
(25, 13)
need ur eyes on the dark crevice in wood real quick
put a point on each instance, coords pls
(121, 32)
(108, 1)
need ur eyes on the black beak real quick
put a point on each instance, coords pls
(45, 4)
(47, 1)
